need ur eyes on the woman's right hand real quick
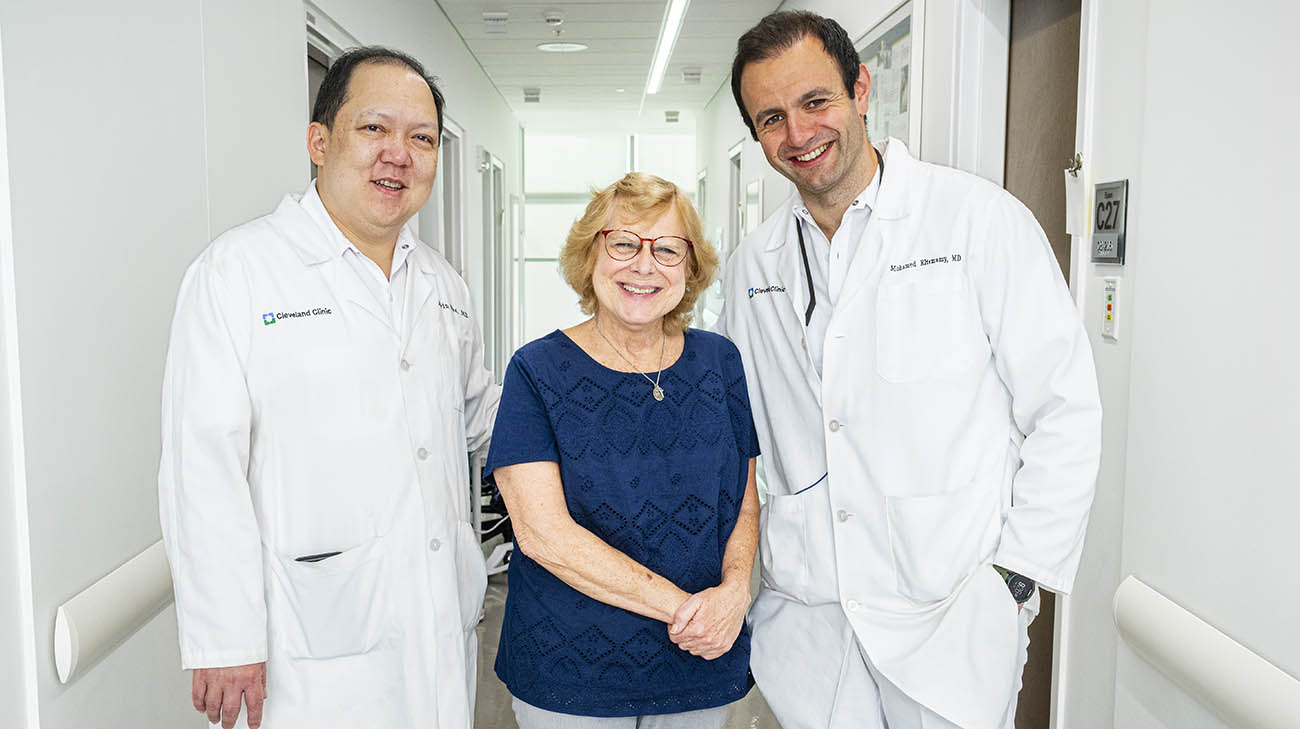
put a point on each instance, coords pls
(708, 622)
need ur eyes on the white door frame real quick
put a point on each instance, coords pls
(17, 618)
(497, 268)
(441, 222)
(1079, 263)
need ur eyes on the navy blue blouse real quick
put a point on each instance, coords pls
(660, 481)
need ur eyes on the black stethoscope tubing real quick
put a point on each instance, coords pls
(803, 250)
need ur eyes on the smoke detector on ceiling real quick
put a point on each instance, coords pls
(671, 116)
(691, 75)
(494, 23)
(554, 19)
(532, 95)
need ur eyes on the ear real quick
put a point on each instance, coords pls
(318, 138)
(862, 88)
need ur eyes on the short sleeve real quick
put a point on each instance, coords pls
(742, 418)
(522, 433)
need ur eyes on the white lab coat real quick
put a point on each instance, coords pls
(325, 430)
(956, 425)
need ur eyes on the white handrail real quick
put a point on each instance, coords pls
(1229, 679)
(108, 612)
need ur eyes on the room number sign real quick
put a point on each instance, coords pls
(1109, 214)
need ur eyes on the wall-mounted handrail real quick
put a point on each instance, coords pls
(1229, 679)
(102, 616)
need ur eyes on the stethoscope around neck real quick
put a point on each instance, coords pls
(803, 250)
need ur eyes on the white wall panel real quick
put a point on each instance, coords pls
(546, 225)
(18, 658)
(1214, 391)
(139, 132)
(106, 135)
(573, 163)
(551, 304)
(670, 156)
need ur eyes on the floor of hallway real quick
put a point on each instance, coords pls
(493, 708)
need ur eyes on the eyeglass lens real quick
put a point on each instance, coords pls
(623, 245)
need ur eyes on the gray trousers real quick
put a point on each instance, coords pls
(531, 717)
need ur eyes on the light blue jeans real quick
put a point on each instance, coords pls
(531, 717)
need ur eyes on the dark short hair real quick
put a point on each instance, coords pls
(334, 88)
(778, 32)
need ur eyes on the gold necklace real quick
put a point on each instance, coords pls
(658, 391)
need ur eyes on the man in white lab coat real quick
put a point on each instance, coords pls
(323, 384)
(926, 402)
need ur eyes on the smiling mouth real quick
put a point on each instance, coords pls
(812, 155)
(389, 184)
(639, 290)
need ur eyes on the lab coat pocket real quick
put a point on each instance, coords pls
(936, 540)
(796, 548)
(471, 574)
(927, 329)
(335, 607)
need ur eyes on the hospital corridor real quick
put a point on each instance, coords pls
(649, 364)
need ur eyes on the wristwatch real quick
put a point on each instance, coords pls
(1022, 588)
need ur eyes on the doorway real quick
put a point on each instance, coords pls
(440, 223)
(497, 267)
(1042, 93)
(735, 198)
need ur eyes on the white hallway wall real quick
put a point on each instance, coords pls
(1203, 389)
(140, 132)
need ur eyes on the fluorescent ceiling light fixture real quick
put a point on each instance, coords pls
(562, 47)
(668, 32)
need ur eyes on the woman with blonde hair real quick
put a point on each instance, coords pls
(624, 448)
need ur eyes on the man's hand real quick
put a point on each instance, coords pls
(217, 692)
(706, 625)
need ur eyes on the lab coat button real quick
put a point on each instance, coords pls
(803, 342)
(434, 544)
(842, 515)
(405, 365)
(423, 453)
(834, 426)
(851, 605)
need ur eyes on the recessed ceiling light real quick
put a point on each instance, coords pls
(674, 14)
(562, 47)
(620, 90)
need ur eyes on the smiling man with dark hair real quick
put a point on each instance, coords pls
(323, 384)
(926, 403)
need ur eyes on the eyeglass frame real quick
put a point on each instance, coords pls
(641, 241)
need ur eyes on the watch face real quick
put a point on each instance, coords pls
(1022, 588)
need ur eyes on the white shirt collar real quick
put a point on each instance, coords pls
(339, 242)
(866, 200)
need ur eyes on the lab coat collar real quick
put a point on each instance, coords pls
(894, 200)
(328, 242)
(887, 196)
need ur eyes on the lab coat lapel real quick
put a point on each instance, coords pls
(783, 256)
(891, 207)
(318, 247)
(421, 283)
(345, 282)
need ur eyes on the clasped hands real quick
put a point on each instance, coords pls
(707, 623)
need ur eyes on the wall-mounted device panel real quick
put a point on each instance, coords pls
(1110, 212)
(1110, 310)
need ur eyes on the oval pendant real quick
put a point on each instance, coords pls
(659, 393)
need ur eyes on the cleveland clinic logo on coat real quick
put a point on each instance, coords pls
(772, 289)
(272, 317)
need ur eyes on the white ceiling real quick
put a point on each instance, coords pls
(621, 35)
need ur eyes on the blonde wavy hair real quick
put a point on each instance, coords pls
(640, 197)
